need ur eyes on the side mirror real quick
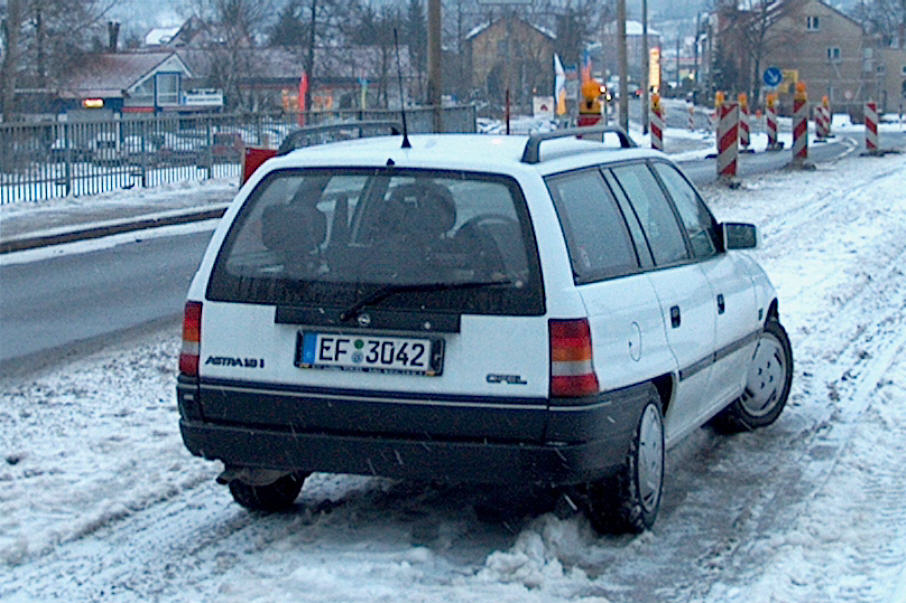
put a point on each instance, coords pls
(739, 236)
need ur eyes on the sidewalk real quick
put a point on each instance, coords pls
(27, 225)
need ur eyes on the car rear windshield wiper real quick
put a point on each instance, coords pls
(388, 290)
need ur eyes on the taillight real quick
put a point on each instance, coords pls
(572, 373)
(191, 338)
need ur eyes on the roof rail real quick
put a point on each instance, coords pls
(302, 137)
(532, 152)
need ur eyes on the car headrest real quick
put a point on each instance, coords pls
(294, 228)
(422, 208)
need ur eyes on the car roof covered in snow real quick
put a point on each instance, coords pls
(470, 152)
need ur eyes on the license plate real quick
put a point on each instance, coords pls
(378, 354)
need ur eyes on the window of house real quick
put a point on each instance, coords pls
(833, 54)
(167, 88)
(502, 47)
(811, 23)
(143, 94)
(903, 69)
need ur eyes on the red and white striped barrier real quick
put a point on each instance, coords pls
(825, 106)
(800, 125)
(656, 123)
(822, 123)
(691, 117)
(727, 139)
(871, 128)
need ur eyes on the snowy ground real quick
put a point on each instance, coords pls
(98, 498)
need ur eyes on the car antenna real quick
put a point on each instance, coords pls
(399, 76)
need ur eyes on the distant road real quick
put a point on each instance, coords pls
(52, 303)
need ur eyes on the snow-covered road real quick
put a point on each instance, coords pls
(99, 499)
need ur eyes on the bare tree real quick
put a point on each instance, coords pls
(44, 39)
(304, 25)
(234, 27)
(375, 27)
(885, 18)
(746, 37)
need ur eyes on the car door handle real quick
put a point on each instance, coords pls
(721, 305)
(675, 318)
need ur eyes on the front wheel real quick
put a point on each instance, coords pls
(768, 382)
(276, 496)
(629, 500)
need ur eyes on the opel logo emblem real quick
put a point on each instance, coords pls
(364, 320)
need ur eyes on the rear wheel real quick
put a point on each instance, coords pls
(276, 496)
(768, 382)
(629, 500)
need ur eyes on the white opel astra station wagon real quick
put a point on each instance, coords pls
(514, 310)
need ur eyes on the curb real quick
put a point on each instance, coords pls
(106, 229)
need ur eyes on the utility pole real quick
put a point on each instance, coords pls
(435, 84)
(645, 67)
(507, 67)
(678, 81)
(698, 35)
(621, 56)
(310, 58)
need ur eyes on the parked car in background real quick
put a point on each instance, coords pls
(173, 149)
(227, 147)
(139, 151)
(511, 310)
(105, 149)
(76, 152)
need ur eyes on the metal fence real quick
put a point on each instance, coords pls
(67, 158)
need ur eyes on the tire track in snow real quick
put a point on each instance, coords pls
(850, 375)
(862, 513)
(802, 464)
(814, 207)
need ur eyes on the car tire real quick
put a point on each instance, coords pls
(768, 382)
(277, 496)
(629, 500)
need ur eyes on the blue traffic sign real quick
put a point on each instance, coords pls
(772, 76)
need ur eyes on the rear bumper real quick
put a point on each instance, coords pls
(575, 443)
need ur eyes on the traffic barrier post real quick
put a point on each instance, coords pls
(744, 138)
(821, 121)
(590, 109)
(800, 125)
(727, 140)
(871, 128)
(825, 104)
(771, 117)
(656, 123)
(691, 117)
(714, 117)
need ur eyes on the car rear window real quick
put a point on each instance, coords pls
(329, 237)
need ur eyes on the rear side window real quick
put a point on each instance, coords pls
(596, 236)
(665, 239)
(329, 237)
(699, 223)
